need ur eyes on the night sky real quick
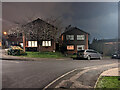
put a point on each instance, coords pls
(100, 19)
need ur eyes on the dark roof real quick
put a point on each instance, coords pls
(71, 28)
(40, 21)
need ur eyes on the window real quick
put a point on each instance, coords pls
(80, 47)
(21, 44)
(29, 43)
(89, 51)
(70, 47)
(32, 43)
(0, 44)
(69, 37)
(62, 37)
(46, 43)
(80, 37)
(94, 52)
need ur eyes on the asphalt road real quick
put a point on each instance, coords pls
(38, 74)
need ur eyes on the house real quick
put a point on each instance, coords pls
(4, 42)
(74, 39)
(36, 38)
(10, 39)
(14, 39)
(42, 39)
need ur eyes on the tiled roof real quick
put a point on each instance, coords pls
(71, 28)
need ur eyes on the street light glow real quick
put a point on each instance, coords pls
(5, 33)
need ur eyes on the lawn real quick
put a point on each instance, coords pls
(44, 55)
(108, 82)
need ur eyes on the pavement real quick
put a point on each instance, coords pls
(111, 72)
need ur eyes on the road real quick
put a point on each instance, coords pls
(38, 74)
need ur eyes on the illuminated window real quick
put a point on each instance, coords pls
(46, 43)
(70, 47)
(80, 37)
(32, 43)
(80, 47)
(0, 44)
(69, 37)
(21, 44)
(29, 43)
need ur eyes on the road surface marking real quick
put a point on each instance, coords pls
(59, 59)
(59, 78)
(13, 61)
(86, 69)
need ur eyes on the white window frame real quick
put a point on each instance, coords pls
(32, 43)
(46, 43)
(82, 46)
(80, 37)
(69, 37)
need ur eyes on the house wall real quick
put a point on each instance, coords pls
(75, 42)
(48, 48)
(42, 48)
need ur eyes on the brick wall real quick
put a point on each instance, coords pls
(48, 48)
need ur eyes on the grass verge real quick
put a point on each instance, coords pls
(45, 55)
(108, 82)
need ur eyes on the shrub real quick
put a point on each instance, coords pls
(16, 51)
(63, 48)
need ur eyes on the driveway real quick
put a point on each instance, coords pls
(38, 74)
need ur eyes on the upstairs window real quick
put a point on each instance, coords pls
(80, 37)
(69, 37)
(46, 43)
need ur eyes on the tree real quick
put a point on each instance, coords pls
(57, 22)
(18, 28)
(38, 29)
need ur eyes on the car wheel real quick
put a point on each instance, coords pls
(88, 57)
(100, 58)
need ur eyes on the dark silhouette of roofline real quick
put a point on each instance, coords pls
(42, 21)
(71, 28)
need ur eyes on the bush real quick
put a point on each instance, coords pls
(16, 51)
(63, 48)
